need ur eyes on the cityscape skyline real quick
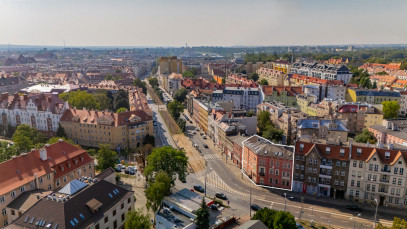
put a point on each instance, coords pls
(209, 23)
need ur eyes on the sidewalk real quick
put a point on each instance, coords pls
(338, 204)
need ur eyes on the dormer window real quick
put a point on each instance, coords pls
(328, 150)
(387, 154)
(62, 168)
(359, 151)
(301, 146)
(342, 152)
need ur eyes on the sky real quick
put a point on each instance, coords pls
(202, 22)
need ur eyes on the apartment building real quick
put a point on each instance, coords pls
(320, 169)
(168, 65)
(84, 203)
(267, 163)
(358, 116)
(39, 110)
(371, 96)
(322, 71)
(173, 83)
(12, 84)
(273, 77)
(47, 168)
(244, 98)
(286, 95)
(331, 130)
(389, 133)
(377, 174)
(121, 131)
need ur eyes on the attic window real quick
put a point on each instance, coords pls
(62, 168)
(359, 151)
(342, 152)
(301, 146)
(387, 154)
(400, 162)
(328, 150)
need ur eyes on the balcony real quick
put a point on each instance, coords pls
(384, 180)
(385, 170)
(325, 176)
(325, 166)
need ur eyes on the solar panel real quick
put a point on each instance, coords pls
(56, 226)
(72, 223)
(37, 223)
(114, 192)
(117, 190)
(26, 219)
(110, 195)
(76, 221)
(43, 223)
(83, 217)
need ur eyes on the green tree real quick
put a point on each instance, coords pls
(26, 138)
(136, 219)
(397, 224)
(106, 157)
(121, 110)
(149, 139)
(263, 120)
(175, 108)
(382, 73)
(202, 216)
(64, 96)
(250, 114)
(254, 76)
(61, 132)
(374, 86)
(180, 95)
(365, 136)
(273, 134)
(263, 82)
(6, 151)
(138, 83)
(121, 100)
(109, 77)
(80, 99)
(104, 101)
(390, 109)
(56, 139)
(157, 189)
(153, 82)
(275, 219)
(172, 161)
(188, 74)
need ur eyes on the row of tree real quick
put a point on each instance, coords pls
(266, 128)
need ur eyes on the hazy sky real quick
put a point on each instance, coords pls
(202, 22)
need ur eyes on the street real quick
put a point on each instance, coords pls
(220, 178)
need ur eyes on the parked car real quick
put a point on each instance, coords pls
(299, 226)
(118, 169)
(221, 196)
(205, 145)
(255, 207)
(214, 207)
(199, 188)
(131, 170)
(203, 136)
(353, 207)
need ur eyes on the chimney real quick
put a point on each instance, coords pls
(43, 154)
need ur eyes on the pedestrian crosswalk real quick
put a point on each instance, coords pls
(215, 181)
(211, 156)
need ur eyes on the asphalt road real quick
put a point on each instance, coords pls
(223, 180)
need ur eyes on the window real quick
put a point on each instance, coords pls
(390, 199)
(122, 217)
(396, 170)
(97, 226)
(122, 206)
(358, 184)
(373, 188)
(114, 212)
(342, 183)
(374, 177)
(297, 157)
(399, 181)
(338, 163)
(401, 171)
(302, 167)
(276, 171)
(106, 219)
(314, 180)
(48, 176)
(355, 163)
(352, 183)
(309, 179)
(342, 152)
(353, 173)
(13, 194)
(128, 200)
(368, 187)
(359, 151)
(13, 212)
(370, 167)
(315, 170)
(376, 168)
(49, 187)
(297, 166)
(315, 161)
(351, 192)
(271, 171)
(22, 188)
(357, 193)
(2, 199)
(336, 182)
(342, 173)
(64, 179)
(343, 164)
(40, 180)
(310, 161)
(301, 176)
(328, 150)
(4, 211)
(360, 164)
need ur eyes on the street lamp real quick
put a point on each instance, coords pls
(206, 165)
(375, 215)
(285, 201)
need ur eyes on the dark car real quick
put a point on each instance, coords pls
(205, 145)
(183, 180)
(214, 207)
(199, 188)
(255, 207)
(353, 207)
(220, 196)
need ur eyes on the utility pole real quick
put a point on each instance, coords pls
(206, 165)
(250, 207)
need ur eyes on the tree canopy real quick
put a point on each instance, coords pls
(180, 95)
(153, 82)
(121, 100)
(263, 120)
(61, 132)
(136, 219)
(254, 76)
(56, 139)
(158, 187)
(365, 136)
(80, 99)
(26, 138)
(390, 109)
(398, 223)
(188, 74)
(138, 83)
(103, 99)
(263, 82)
(106, 158)
(121, 110)
(202, 216)
(175, 108)
(275, 219)
(172, 161)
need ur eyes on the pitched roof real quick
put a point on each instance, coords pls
(75, 208)
(22, 169)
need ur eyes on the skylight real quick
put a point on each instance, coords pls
(72, 223)
(110, 195)
(76, 221)
(117, 190)
(32, 219)
(83, 217)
